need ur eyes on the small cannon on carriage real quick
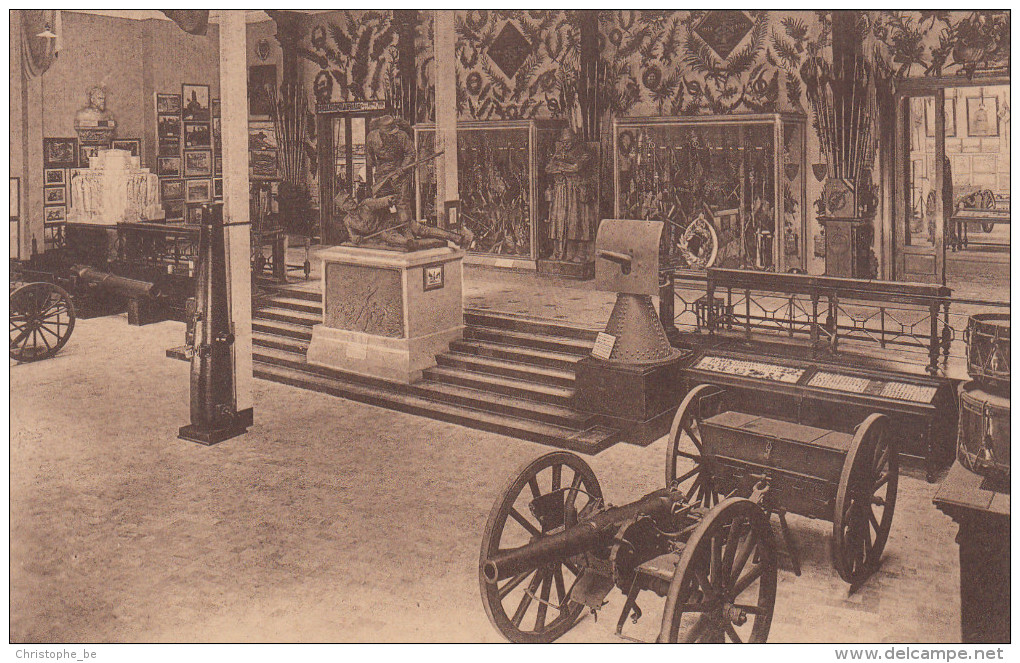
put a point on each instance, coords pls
(43, 294)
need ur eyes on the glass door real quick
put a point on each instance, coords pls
(921, 178)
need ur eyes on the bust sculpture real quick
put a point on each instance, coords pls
(94, 123)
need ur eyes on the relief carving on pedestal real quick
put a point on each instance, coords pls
(364, 299)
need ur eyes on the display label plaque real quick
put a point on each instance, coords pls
(603, 348)
(855, 384)
(750, 369)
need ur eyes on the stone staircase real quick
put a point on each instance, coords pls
(508, 374)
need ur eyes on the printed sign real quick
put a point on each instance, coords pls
(604, 344)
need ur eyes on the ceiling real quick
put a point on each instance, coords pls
(250, 15)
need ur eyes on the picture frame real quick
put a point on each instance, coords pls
(218, 188)
(929, 117)
(215, 108)
(95, 136)
(195, 102)
(85, 154)
(217, 135)
(198, 163)
(218, 166)
(54, 177)
(197, 191)
(171, 189)
(193, 214)
(261, 78)
(169, 148)
(168, 126)
(15, 198)
(264, 164)
(262, 136)
(433, 277)
(54, 214)
(174, 210)
(60, 152)
(168, 166)
(54, 195)
(168, 104)
(982, 117)
(132, 145)
(197, 135)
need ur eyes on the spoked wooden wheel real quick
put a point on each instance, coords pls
(865, 501)
(686, 466)
(41, 319)
(532, 606)
(724, 588)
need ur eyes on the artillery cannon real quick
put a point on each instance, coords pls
(42, 306)
(551, 532)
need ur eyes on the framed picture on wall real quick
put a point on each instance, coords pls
(982, 117)
(197, 191)
(197, 135)
(168, 166)
(60, 152)
(54, 177)
(218, 170)
(194, 215)
(197, 163)
(132, 145)
(261, 86)
(218, 188)
(54, 195)
(174, 209)
(55, 214)
(168, 126)
(86, 152)
(217, 136)
(170, 190)
(168, 104)
(264, 164)
(195, 100)
(169, 147)
(261, 136)
(929, 117)
(215, 107)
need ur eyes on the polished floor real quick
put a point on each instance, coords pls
(333, 520)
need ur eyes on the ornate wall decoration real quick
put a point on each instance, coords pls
(939, 43)
(351, 57)
(714, 62)
(511, 64)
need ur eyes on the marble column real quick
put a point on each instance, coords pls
(234, 112)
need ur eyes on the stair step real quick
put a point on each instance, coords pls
(546, 358)
(286, 315)
(280, 328)
(590, 440)
(500, 385)
(284, 343)
(503, 404)
(296, 304)
(572, 346)
(296, 293)
(475, 317)
(507, 368)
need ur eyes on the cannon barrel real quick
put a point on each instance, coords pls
(591, 534)
(120, 285)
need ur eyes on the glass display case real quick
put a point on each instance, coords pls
(504, 190)
(713, 180)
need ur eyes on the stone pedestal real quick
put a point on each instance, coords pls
(114, 188)
(387, 314)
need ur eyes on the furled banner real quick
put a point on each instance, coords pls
(192, 21)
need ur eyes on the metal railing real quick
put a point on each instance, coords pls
(923, 324)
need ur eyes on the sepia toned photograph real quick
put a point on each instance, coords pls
(518, 326)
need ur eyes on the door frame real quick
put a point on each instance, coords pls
(923, 87)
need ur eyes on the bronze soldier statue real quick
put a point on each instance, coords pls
(386, 216)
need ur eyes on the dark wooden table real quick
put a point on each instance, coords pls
(981, 508)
